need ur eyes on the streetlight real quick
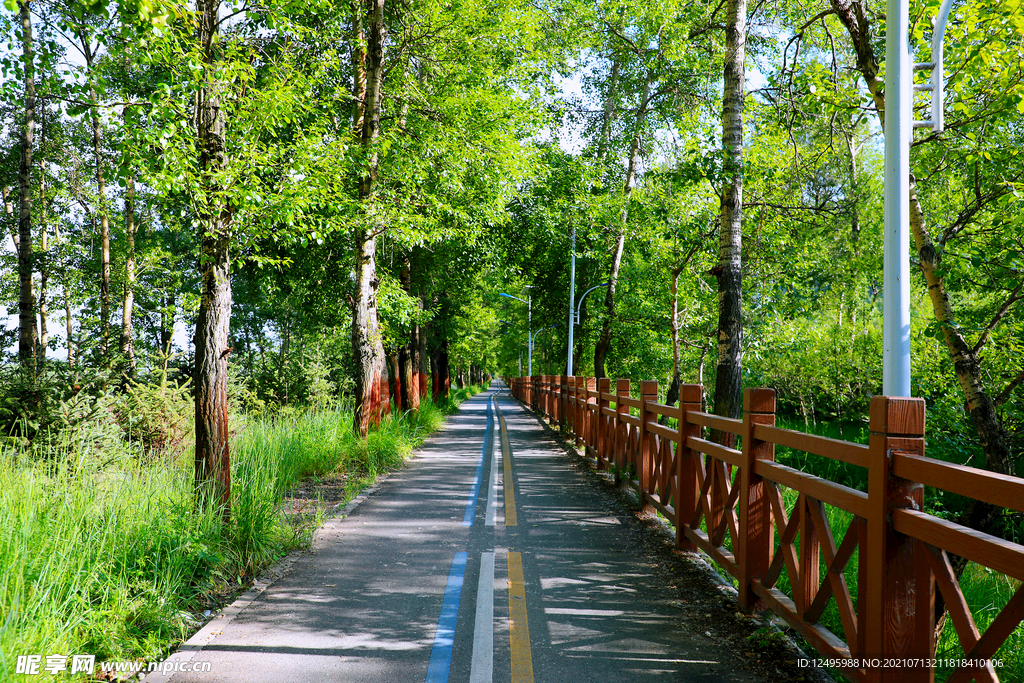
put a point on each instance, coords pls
(574, 319)
(899, 131)
(529, 326)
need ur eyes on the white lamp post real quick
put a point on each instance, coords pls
(899, 130)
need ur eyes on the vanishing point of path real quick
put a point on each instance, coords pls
(486, 559)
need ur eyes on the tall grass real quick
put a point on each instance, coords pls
(106, 554)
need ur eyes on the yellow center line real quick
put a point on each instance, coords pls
(519, 629)
(506, 456)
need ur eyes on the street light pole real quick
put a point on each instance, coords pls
(574, 317)
(899, 127)
(572, 296)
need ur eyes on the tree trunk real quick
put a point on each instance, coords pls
(167, 322)
(128, 306)
(410, 392)
(395, 379)
(212, 457)
(442, 371)
(43, 265)
(101, 189)
(673, 388)
(69, 327)
(422, 358)
(371, 391)
(605, 340)
(26, 297)
(729, 376)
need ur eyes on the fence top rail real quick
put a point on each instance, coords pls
(723, 424)
(628, 401)
(971, 482)
(846, 451)
(828, 492)
(1005, 557)
(662, 409)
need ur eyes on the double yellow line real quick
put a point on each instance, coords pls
(519, 627)
(506, 457)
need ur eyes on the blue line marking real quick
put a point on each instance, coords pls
(441, 653)
(470, 515)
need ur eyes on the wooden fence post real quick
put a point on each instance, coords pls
(589, 423)
(899, 593)
(754, 545)
(619, 443)
(648, 394)
(691, 399)
(570, 405)
(579, 424)
(563, 403)
(604, 386)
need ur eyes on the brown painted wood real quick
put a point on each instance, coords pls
(826, 491)
(835, 564)
(661, 430)
(755, 538)
(956, 603)
(987, 550)
(810, 558)
(722, 424)
(716, 450)
(899, 584)
(852, 453)
(997, 489)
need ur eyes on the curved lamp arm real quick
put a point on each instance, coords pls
(576, 317)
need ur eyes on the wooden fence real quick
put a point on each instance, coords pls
(729, 503)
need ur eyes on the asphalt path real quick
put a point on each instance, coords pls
(486, 560)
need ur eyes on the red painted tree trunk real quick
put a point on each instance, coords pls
(371, 391)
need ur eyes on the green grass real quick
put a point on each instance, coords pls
(104, 553)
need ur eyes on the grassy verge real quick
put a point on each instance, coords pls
(107, 555)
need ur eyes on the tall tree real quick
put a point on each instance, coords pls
(26, 298)
(212, 458)
(371, 390)
(729, 271)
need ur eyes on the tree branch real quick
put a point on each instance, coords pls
(1005, 393)
(1000, 314)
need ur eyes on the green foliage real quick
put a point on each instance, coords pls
(112, 557)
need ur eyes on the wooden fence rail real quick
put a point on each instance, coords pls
(727, 500)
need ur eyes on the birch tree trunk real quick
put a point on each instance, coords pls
(212, 457)
(26, 297)
(128, 303)
(729, 271)
(604, 342)
(371, 390)
(101, 189)
(43, 266)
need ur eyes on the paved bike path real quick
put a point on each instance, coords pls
(486, 560)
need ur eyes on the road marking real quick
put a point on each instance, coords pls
(492, 489)
(467, 519)
(511, 518)
(519, 628)
(441, 652)
(482, 667)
